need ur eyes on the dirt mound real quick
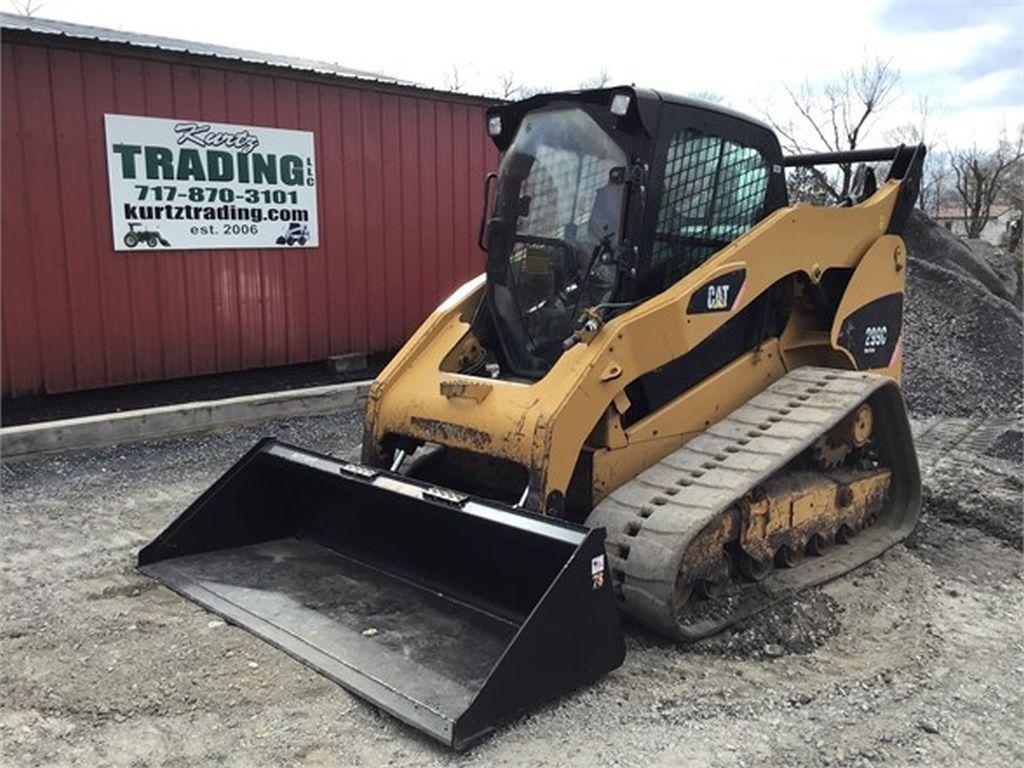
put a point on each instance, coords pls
(962, 344)
(798, 625)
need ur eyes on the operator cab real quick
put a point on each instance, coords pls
(605, 198)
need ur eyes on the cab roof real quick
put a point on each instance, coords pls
(646, 107)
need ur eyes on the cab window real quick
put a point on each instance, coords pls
(714, 191)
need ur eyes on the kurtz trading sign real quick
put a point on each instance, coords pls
(192, 184)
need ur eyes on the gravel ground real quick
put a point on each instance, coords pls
(915, 659)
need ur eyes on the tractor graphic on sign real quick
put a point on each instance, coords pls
(148, 236)
(296, 233)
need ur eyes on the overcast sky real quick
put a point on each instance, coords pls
(965, 56)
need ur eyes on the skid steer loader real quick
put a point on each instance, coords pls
(670, 395)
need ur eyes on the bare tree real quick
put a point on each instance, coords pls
(935, 175)
(453, 79)
(837, 116)
(980, 179)
(1013, 189)
(511, 89)
(803, 186)
(508, 86)
(937, 188)
(526, 91)
(600, 80)
(918, 127)
(1013, 196)
(26, 7)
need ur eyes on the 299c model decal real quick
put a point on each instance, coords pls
(717, 295)
(872, 333)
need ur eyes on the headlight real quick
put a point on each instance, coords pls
(620, 104)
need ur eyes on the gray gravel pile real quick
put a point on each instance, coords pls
(1004, 263)
(962, 344)
(979, 261)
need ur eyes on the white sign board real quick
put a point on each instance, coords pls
(192, 184)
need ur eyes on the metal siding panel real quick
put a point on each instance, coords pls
(445, 208)
(355, 216)
(46, 247)
(247, 263)
(411, 247)
(373, 201)
(297, 328)
(317, 345)
(213, 101)
(170, 265)
(394, 274)
(429, 260)
(197, 264)
(271, 260)
(74, 189)
(23, 365)
(332, 217)
(143, 277)
(460, 192)
(111, 267)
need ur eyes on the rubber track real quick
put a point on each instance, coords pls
(719, 467)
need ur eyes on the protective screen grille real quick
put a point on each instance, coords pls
(714, 191)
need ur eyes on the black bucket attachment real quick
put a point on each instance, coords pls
(450, 612)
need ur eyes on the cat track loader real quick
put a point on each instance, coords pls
(670, 395)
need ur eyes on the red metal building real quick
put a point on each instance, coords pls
(399, 170)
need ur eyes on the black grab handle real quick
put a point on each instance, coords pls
(483, 211)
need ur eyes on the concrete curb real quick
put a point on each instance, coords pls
(173, 420)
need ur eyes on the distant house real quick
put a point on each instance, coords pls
(997, 231)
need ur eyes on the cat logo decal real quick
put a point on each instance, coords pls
(720, 294)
